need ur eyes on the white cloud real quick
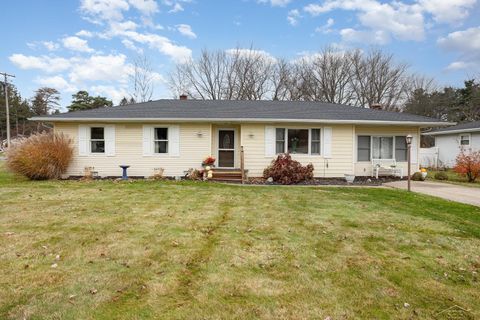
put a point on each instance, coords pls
(84, 33)
(450, 11)
(147, 7)
(404, 22)
(251, 53)
(119, 28)
(177, 7)
(114, 93)
(113, 10)
(186, 30)
(130, 45)
(76, 44)
(368, 37)
(459, 65)
(276, 3)
(401, 20)
(293, 16)
(50, 45)
(57, 82)
(104, 9)
(326, 28)
(164, 45)
(100, 68)
(44, 63)
(466, 40)
(466, 43)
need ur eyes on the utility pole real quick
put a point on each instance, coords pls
(5, 83)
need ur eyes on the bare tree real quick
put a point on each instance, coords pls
(142, 79)
(377, 79)
(345, 77)
(239, 74)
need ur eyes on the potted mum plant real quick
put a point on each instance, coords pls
(207, 164)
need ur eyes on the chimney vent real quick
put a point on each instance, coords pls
(376, 106)
(183, 97)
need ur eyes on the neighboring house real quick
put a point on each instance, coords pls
(449, 141)
(178, 134)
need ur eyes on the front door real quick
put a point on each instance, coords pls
(226, 148)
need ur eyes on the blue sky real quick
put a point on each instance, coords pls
(91, 44)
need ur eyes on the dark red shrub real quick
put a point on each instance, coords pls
(285, 170)
(468, 165)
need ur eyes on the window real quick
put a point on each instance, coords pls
(378, 147)
(401, 148)
(315, 143)
(363, 148)
(298, 141)
(280, 140)
(464, 139)
(160, 140)
(382, 147)
(97, 140)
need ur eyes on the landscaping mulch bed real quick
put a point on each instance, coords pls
(359, 181)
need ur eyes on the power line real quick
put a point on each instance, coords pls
(5, 84)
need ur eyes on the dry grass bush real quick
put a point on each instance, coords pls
(41, 156)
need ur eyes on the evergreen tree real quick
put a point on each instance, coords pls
(83, 101)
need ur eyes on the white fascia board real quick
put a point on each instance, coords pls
(244, 120)
(451, 131)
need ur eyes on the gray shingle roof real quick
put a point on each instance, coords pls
(235, 110)
(467, 127)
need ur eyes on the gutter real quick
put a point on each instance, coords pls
(245, 120)
(451, 131)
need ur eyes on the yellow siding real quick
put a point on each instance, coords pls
(341, 161)
(193, 149)
(365, 168)
(129, 151)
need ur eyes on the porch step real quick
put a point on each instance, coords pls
(227, 175)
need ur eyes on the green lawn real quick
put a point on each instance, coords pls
(453, 178)
(169, 250)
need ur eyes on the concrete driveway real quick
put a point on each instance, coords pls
(468, 195)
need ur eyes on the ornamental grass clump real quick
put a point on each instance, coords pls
(285, 170)
(41, 156)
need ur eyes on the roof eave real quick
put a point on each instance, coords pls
(437, 133)
(256, 120)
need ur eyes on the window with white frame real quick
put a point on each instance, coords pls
(298, 141)
(401, 148)
(315, 141)
(160, 140)
(363, 148)
(464, 139)
(381, 147)
(279, 140)
(97, 140)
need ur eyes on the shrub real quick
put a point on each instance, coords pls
(284, 170)
(417, 176)
(468, 165)
(41, 156)
(441, 175)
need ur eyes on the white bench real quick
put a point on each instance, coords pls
(386, 167)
